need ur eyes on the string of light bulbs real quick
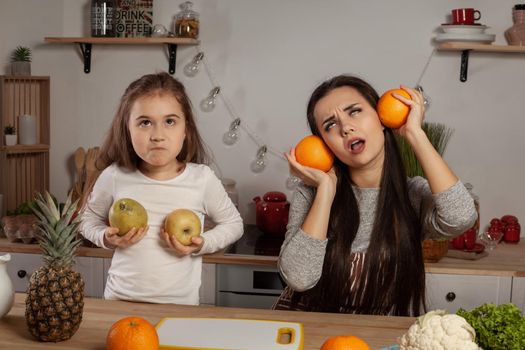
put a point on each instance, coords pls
(231, 136)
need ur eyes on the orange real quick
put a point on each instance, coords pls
(132, 333)
(345, 342)
(313, 152)
(392, 112)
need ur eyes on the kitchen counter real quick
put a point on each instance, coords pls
(505, 260)
(99, 315)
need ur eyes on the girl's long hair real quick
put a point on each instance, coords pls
(117, 147)
(393, 278)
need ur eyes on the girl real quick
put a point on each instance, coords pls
(354, 236)
(154, 154)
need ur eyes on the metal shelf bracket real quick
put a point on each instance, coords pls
(464, 66)
(86, 54)
(172, 52)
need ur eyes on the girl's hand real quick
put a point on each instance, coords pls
(113, 240)
(311, 176)
(417, 111)
(180, 249)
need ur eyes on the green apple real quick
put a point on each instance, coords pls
(127, 213)
(183, 224)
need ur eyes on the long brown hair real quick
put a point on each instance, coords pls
(393, 276)
(117, 147)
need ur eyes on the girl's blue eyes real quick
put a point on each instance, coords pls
(145, 122)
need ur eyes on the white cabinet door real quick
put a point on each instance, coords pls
(22, 266)
(518, 293)
(207, 290)
(451, 292)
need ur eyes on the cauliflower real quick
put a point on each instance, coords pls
(437, 330)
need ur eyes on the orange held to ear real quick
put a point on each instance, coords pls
(344, 342)
(392, 112)
(132, 333)
(311, 151)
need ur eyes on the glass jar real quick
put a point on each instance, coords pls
(515, 35)
(231, 190)
(476, 203)
(187, 22)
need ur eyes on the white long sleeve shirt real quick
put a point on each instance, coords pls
(147, 271)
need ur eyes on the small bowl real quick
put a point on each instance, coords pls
(463, 29)
(434, 250)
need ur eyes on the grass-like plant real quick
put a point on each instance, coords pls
(21, 54)
(438, 135)
(9, 130)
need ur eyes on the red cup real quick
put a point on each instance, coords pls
(465, 16)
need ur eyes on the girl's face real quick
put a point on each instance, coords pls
(350, 127)
(157, 127)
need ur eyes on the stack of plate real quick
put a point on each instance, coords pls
(466, 33)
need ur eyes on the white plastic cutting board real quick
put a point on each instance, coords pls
(226, 333)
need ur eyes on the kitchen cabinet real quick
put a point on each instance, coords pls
(86, 44)
(518, 293)
(466, 48)
(451, 292)
(22, 266)
(207, 290)
(25, 168)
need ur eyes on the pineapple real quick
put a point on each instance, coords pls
(55, 295)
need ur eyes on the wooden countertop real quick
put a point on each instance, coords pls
(505, 260)
(99, 315)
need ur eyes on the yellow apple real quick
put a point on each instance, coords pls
(127, 213)
(183, 224)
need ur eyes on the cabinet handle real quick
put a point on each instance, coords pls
(451, 296)
(21, 273)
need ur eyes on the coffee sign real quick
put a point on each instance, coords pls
(134, 18)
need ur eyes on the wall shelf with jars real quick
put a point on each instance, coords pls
(466, 48)
(86, 43)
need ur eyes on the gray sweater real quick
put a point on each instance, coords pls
(442, 215)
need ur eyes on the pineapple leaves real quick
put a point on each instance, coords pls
(58, 229)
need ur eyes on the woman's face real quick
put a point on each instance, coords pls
(157, 126)
(350, 127)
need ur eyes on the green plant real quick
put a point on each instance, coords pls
(21, 54)
(438, 134)
(9, 130)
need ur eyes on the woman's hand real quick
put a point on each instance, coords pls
(113, 240)
(417, 111)
(311, 176)
(180, 249)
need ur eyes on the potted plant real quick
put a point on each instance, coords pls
(10, 135)
(438, 135)
(21, 61)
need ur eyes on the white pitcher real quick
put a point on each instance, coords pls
(7, 293)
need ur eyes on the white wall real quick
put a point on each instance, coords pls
(267, 57)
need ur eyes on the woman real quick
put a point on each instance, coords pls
(353, 242)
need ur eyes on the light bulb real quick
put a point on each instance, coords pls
(259, 164)
(232, 135)
(208, 104)
(192, 68)
(292, 182)
(426, 99)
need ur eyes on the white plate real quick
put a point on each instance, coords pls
(479, 38)
(463, 29)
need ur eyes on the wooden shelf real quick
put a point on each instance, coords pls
(86, 43)
(16, 149)
(466, 47)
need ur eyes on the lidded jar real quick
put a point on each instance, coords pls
(515, 35)
(187, 22)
